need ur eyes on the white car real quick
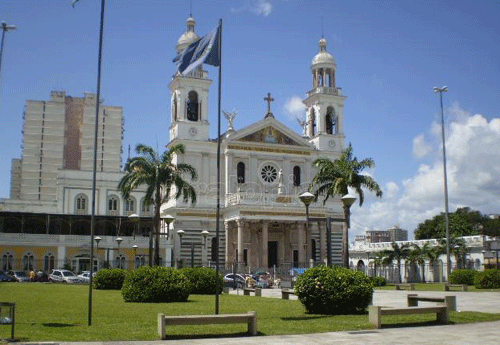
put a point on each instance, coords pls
(85, 276)
(64, 276)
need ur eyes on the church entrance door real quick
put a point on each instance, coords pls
(272, 250)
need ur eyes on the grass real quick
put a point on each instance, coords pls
(59, 312)
(436, 287)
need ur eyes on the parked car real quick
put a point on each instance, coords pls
(234, 280)
(64, 276)
(85, 276)
(19, 276)
(4, 277)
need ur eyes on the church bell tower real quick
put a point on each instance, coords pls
(325, 104)
(189, 96)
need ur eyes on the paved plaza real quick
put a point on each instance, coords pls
(484, 333)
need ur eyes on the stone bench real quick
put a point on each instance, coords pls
(450, 301)
(410, 286)
(250, 318)
(375, 313)
(285, 293)
(256, 291)
(463, 287)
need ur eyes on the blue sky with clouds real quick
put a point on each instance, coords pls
(389, 55)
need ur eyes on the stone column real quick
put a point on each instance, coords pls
(239, 259)
(265, 239)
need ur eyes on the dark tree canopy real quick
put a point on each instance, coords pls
(462, 222)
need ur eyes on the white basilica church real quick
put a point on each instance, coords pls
(264, 168)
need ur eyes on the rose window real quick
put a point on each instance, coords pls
(268, 173)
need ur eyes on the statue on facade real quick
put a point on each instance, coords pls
(230, 119)
(303, 124)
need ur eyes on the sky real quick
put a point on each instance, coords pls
(389, 56)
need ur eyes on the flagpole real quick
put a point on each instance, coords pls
(217, 224)
(94, 171)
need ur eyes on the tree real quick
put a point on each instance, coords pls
(398, 253)
(418, 254)
(457, 248)
(335, 177)
(161, 176)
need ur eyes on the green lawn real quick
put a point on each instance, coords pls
(437, 287)
(58, 312)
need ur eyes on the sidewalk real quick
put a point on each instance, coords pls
(485, 333)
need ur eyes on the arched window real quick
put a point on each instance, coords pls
(7, 262)
(174, 107)
(313, 249)
(331, 120)
(240, 172)
(296, 176)
(28, 262)
(145, 209)
(49, 261)
(130, 206)
(192, 106)
(81, 204)
(120, 261)
(113, 205)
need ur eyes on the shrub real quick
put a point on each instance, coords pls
(156, 285)
(462, 276)
(487, 279)
(334, 290)
(378, 281)
(109, 279)
(202, 280)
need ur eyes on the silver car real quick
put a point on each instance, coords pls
(64, 276)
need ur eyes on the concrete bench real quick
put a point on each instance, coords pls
(410, 286)
(256, 291)
(250, 318)
(450, 301)
(463, 287)
(375, 313)
(285, 293)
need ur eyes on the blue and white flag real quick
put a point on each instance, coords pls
(205, 50)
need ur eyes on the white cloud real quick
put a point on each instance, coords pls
(473, 170)
(294, 108)
(258, 7)
(420, 147)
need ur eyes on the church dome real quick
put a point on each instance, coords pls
(187, 37)
(323, 57)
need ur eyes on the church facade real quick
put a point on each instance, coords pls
(264, 168)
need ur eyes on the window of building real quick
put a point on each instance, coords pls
(240, 172)
(28, 262)
(49, 261)
(296, 176)
(112, 205)
(145, 209)
(313, 250)
(120, 261)
(330, 120)
(192, 106)
(312, 121)
(7, 262)
(129, 206)
(81, 204)
(269, 173)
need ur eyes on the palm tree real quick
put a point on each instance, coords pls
(398, 253)
(336, 177)
(160, 174)
(457, 248)
(418, 254)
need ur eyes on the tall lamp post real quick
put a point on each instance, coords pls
(205, 234)
(5, 28)
(168, 219)
(119, 240)
(307, 198)
(134, 218)
(135, 246)
(347, 200)
(446, 211)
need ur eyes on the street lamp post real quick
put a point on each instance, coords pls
(119, 240)
(134, 218)
(205, 234)
(168, 219)
(447, 222)
(135, 246)
(347, 200)
(307, 198)
(5, 28)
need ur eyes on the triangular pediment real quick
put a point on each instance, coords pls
(271, 132)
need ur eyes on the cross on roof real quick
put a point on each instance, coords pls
(269, 99)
